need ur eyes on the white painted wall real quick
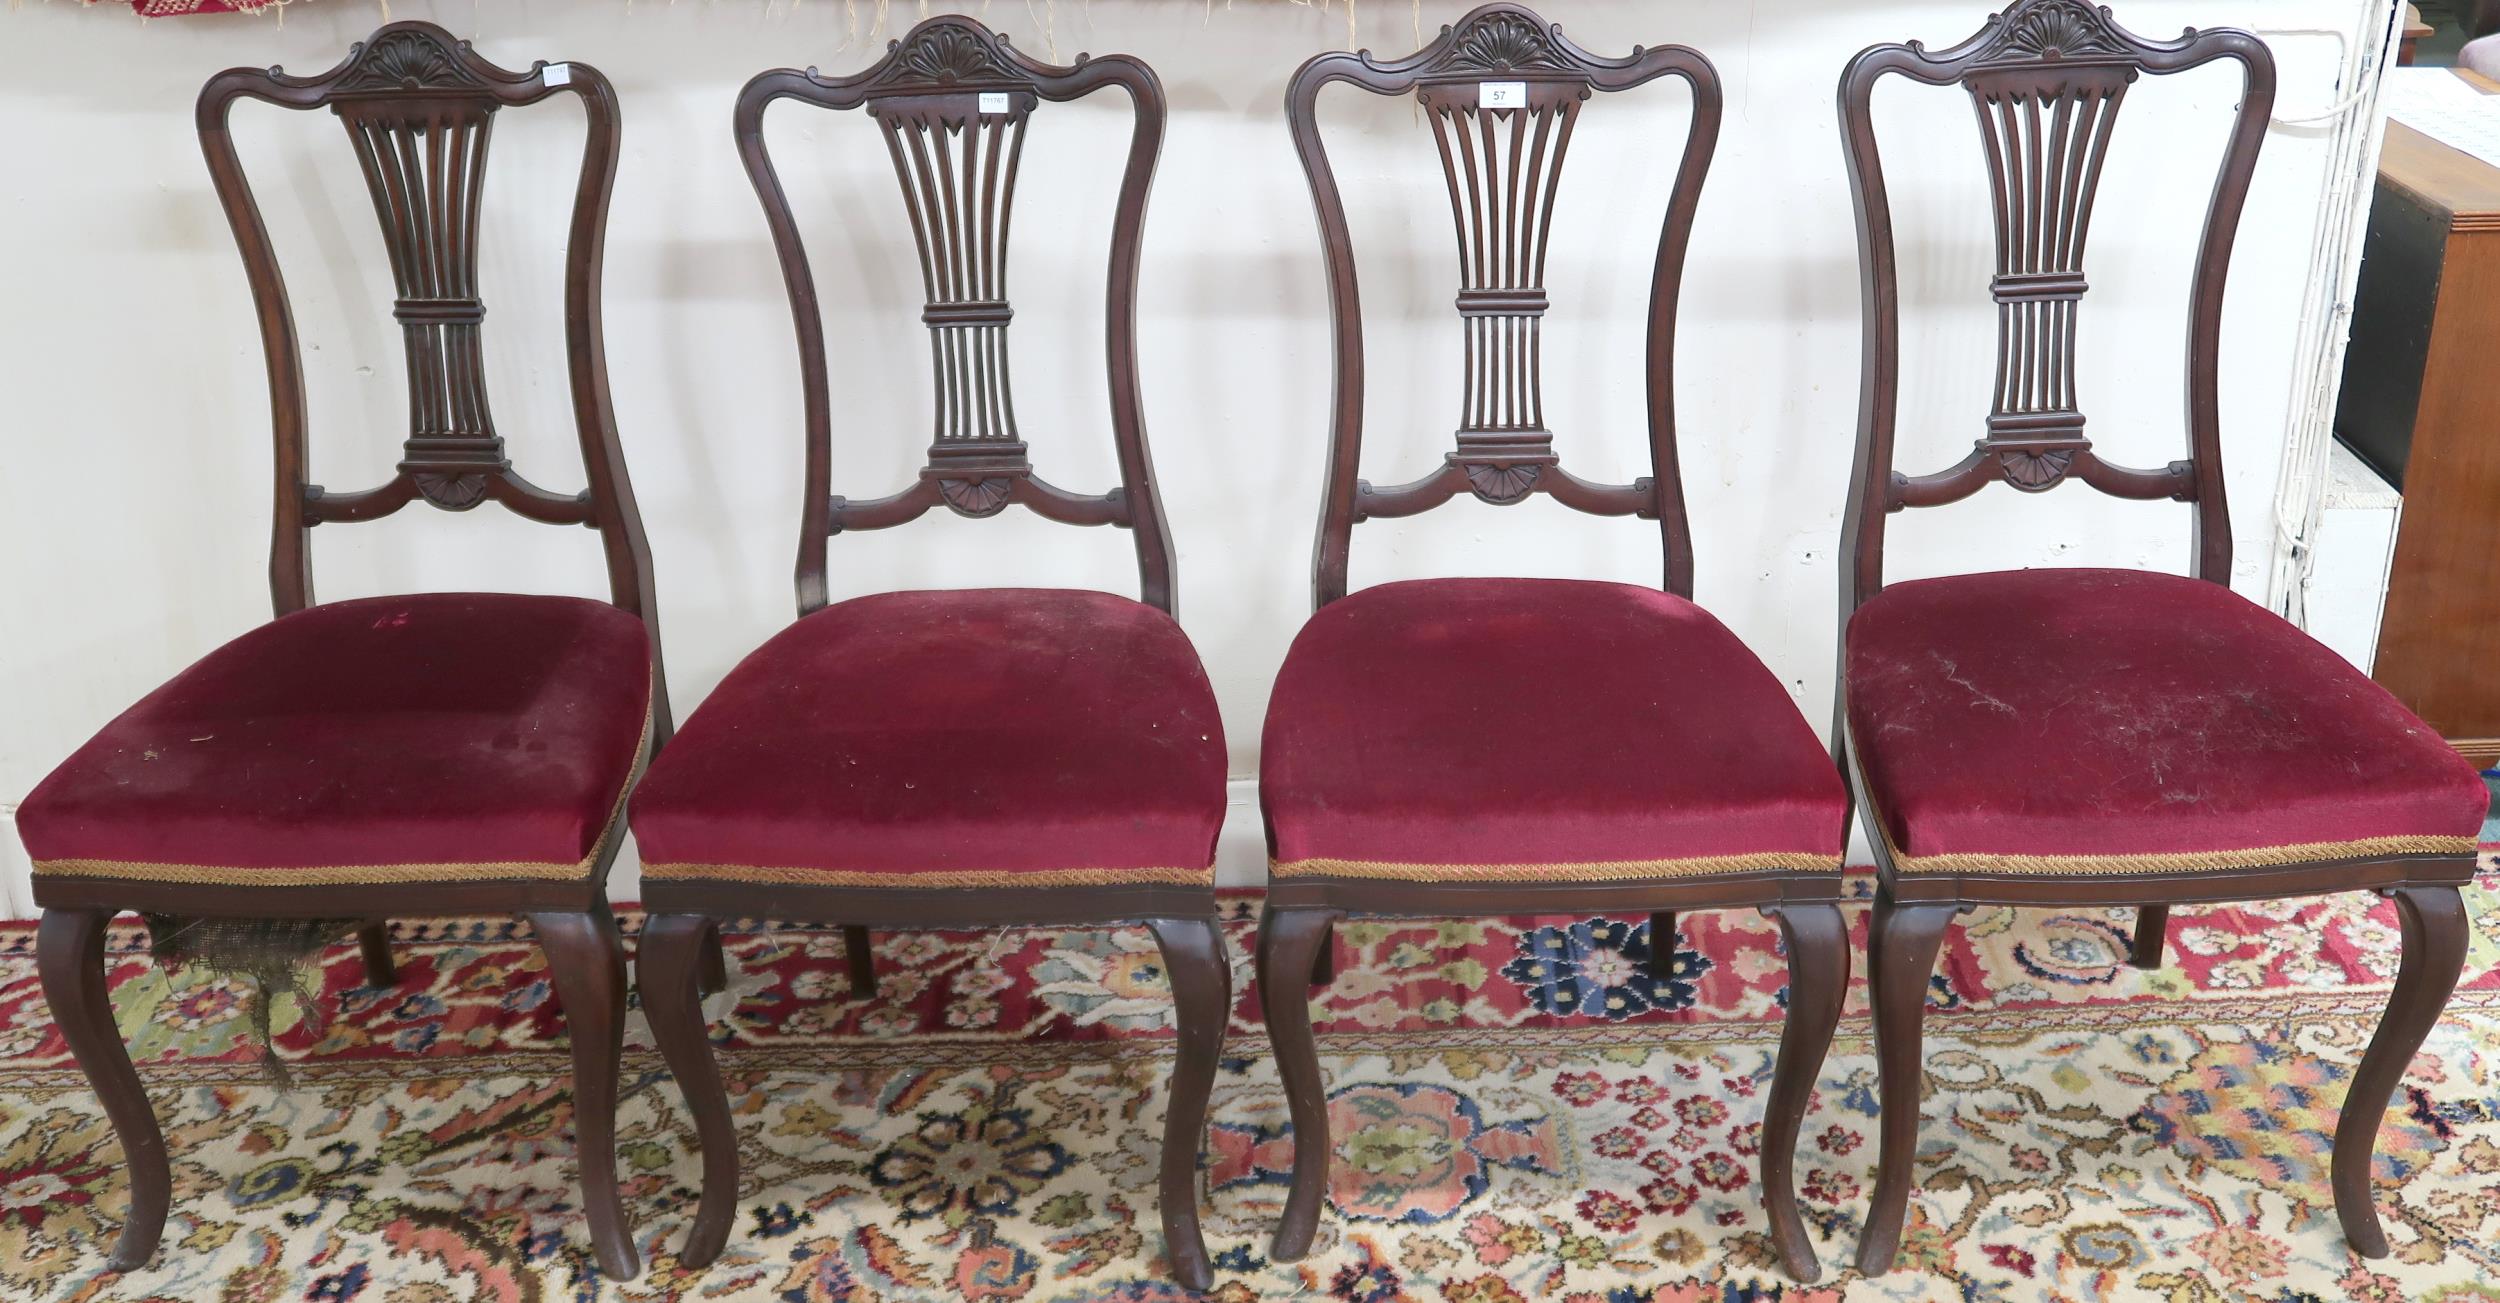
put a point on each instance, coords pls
(131, 368)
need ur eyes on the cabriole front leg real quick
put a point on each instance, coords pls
(1818, 979)
(69, 955)
(676, 949)
(1289, 942)
(2433, 926)
(586, 958)
(1202, 997)
(1901, 947)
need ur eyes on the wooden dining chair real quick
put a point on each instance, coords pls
(439, 753)
(980, 758)
(1529, 746)
(2085, 737)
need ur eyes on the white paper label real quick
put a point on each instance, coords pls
(1501, 94)
(993, 101)
(556, 74)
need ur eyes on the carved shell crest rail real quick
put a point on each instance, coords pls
(1503, 42)
(419, 108)
(408, 60)
(2063, 29)
(945, 55)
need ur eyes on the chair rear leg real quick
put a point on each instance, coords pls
(2152, 929)
(674, 949)
(714, 977)
(1904, 939)
(1202, 993)
(69, 955)
(1662, 944)
(1818, 979)
(375, 940)
(856, 945)
(586, 958)
(2434, 931)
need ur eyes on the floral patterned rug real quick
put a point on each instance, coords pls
(985, 1128)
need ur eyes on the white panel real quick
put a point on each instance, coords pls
(17, 894)
(2356, 543)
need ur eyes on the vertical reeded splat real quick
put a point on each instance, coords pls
(2045, 152)
(426, 168)
(1503, 166)
(956, 157)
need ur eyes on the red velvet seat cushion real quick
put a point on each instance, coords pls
(1456, 730)
(2114, 721)
(436, 736)
(991, 737)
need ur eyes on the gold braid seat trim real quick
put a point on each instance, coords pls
(2177, 861)
(1590, 871)
(228, 875)
(782, 875)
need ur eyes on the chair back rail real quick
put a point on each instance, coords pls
(953, 100)
(419, 109)
(2046, 79)
(1503, 91)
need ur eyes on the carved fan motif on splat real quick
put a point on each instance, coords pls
(1502, 485)
(2033, 470)
(452, 492)
(975, 497)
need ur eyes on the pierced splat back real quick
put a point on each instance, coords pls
(2047, 79)
(426, 169)
(419, 108)
(952, 99)
(1502, 174)
(1503, 91)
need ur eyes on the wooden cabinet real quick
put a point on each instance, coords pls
(2421, 403)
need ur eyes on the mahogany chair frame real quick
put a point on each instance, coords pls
(418, 104)
(2073, 55)
(930, 84)
(1504, 455)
